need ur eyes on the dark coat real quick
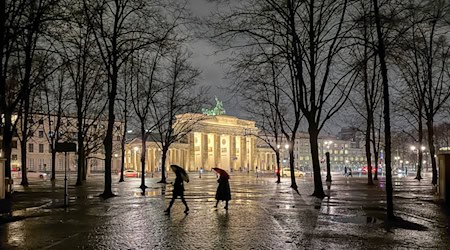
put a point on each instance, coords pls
(223, 190)
(178, 187)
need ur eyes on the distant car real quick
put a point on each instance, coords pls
(16, 172)
(130, 173)
(399, 173)
(31, 174)
(364, 170)
(286, 172)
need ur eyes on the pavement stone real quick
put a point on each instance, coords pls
(262, 215)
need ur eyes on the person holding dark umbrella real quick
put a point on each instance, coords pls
(178, 187)
(223, 190)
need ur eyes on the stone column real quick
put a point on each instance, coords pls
(225, 162)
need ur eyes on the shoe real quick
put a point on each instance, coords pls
(186, 211)
(226, 207)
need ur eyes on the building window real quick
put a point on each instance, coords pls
(14, 157)
(41, 134)
(60, 164)
(41, 148)
(30, 147)
(41, 122)
(14, 144)
(31, 164)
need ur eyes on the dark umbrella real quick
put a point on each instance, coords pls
(181, 172)
(222, 172)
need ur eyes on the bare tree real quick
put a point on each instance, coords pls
(79, 52)
(22, 25)
(144, 85)
(179, 94)
(262, 99)
(124, 93)
(56, 98)
(122, 27)
(11, 15)
(386, 111)
(33, 62)
(368, 92)
(423, 59)
(310, 37)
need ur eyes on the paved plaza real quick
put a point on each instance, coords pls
(262, 215)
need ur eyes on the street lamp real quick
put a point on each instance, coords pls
(286, 146)
(415, 150)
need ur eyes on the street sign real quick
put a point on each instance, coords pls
(66, 147)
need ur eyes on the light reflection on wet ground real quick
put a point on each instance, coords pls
(262, 215)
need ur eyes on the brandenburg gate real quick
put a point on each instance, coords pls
(214, 140)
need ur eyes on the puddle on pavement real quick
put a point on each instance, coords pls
(357, 219)
(148, 193)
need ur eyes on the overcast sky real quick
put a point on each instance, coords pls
(214, 73)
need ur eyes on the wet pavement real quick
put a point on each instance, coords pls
(262, 215)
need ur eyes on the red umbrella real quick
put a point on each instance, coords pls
(222, 172)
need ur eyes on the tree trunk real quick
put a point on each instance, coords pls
(53, 161)
(122, 146)
(107, 192)
(313, 139)
(143, 156)
(108, 142)
(430, 128)
(375, 150)
(163, 165)
(23, 143)
(23, 152)
(291, 166)
(368, 153)
(85, 168)
(7, 142)
(368, 103)
(81, 155)
(419, 163)
(386, 112)
(277, 155)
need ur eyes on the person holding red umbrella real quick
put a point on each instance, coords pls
(223, 192)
